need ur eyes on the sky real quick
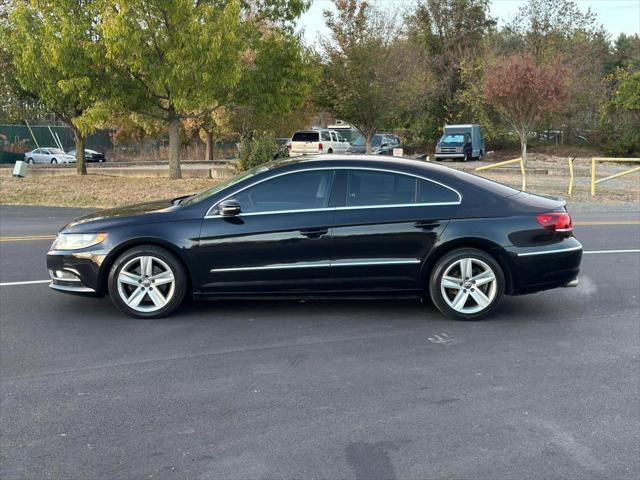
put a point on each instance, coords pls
(617, 16)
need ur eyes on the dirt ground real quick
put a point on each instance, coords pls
(547, 175)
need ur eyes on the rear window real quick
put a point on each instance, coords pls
(305, 137)
(430, 192)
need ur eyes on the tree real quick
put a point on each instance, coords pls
(53, 51)
(170, 58)
(560, 31)
(444, 37)
(178, 59)
(361, 78)
(525, 93)
(277, 77)
(620, 113)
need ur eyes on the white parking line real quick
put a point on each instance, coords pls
(593, 252)
(590, 252)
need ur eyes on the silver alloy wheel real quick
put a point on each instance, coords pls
(146, 283)
(469, 285)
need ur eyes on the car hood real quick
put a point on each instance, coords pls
(149, 212)
(450, 144)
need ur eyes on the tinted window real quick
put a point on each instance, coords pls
(295, 191)
(305, 137)
(326, 136)
(380, 188)
(429, 192)
(360, 141)
(452, 138)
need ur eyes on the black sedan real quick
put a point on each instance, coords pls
(325, 227)
(90, 155)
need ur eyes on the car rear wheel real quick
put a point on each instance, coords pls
(147, 282)
(467, 284)
(30, 161)
(54, 160)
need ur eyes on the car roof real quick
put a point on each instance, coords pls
(335, 160)
(455, 178)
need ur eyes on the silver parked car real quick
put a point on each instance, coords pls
(48, 155)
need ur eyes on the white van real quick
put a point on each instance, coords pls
(317, 141)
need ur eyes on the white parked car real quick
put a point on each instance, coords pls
(317, 141)
(48, 155)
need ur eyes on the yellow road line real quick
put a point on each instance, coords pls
(607, 222)
(27, 238)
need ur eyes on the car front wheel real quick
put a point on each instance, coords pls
(467, 284)
(147, 282)
(53, 160)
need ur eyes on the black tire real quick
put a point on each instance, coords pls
(480, 156)
(449, 260)
(179, 274)
(53, 160)
(330, 150)
(30, 161)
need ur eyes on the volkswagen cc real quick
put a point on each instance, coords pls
(353, 226)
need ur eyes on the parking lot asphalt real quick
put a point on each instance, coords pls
(546, 388)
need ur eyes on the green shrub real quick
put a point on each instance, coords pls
(257, 149)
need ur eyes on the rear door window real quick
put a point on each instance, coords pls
(326, 136)
(370, 188)
(305, 137)
(430, 192)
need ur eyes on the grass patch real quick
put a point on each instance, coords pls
(97, 191)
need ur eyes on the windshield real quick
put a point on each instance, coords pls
(57, 151)
(452, 138)
(360, 141)
(227, 183)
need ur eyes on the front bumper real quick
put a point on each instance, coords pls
(449, 155)
(542, 268)
(76, 272)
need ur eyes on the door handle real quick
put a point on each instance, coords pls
(427, 224)
(314, 232)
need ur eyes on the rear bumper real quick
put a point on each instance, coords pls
(543, 268)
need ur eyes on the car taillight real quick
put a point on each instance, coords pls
(320, 147)
(556, 222)
(289, 146)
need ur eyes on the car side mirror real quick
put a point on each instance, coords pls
(229, 208)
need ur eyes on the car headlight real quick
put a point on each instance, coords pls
(76, 241)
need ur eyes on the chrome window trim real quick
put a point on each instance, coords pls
(547, 252)
(359, 207)
(337, 263)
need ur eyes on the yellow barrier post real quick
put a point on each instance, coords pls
(616, 175)
(499, 164)
(571, 175)
(507, 162)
